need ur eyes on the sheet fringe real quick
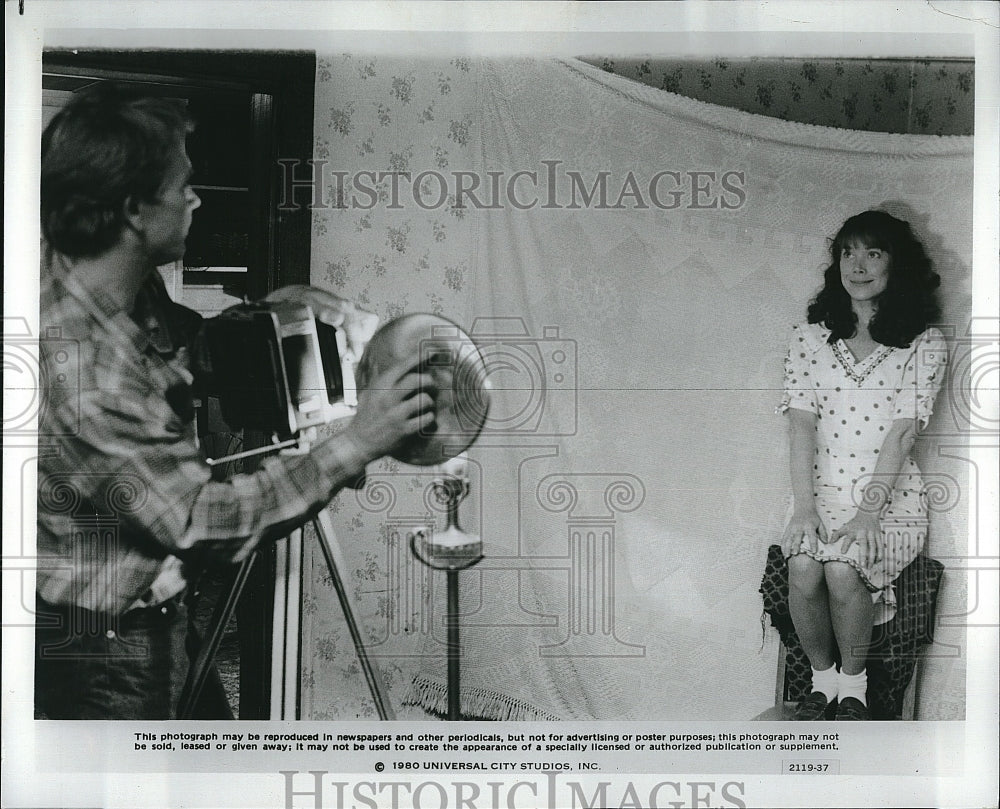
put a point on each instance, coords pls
(477, 703)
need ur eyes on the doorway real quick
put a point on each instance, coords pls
(251, 109)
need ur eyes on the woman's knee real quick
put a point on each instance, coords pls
(805, 573)
(843, 581)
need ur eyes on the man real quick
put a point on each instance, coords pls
(127, 509)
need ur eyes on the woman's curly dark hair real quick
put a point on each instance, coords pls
(907, 305)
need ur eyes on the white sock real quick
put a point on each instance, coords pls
(826, 681)
(854, 685)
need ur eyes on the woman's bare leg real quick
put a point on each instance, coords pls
(809, 605)
(852, 612)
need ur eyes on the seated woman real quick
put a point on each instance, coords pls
(861, 376)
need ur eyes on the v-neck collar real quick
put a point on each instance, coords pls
(859, 370)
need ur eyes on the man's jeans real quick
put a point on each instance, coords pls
(94, 666)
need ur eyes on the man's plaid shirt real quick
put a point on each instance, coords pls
(125, 499)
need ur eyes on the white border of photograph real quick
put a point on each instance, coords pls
(41, 759)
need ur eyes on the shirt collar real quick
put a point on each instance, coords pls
(150, 313)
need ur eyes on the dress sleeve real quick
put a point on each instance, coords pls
(922, 377)
(799, 391)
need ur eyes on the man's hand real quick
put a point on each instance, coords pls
(357, 324)
(398, 404)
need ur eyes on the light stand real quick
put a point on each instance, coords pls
(452, 550)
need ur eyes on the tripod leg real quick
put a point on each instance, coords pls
(287, 627)
(206, 655)
(293, 632)
(324, 530)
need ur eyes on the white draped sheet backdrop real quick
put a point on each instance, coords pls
(633, 471)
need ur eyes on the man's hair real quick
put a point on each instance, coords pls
(103, 147)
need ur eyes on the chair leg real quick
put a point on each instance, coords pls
(779, 686)
(911, 695)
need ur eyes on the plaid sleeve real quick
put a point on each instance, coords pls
(228, 519)
(185, 511)
(136, 457)
(122, 486)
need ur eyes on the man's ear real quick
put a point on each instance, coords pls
(134, 213)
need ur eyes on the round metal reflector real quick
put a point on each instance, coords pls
(446, 353)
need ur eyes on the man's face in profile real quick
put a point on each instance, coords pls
(167, 219)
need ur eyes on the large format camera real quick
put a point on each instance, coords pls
(276, 367)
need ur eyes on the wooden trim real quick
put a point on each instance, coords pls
(262, 276)
(54, 66)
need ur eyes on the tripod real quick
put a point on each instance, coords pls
(452, 551)
(202, 664)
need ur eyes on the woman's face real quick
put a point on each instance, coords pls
(864, 271)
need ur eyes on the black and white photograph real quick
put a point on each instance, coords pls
(616, 380)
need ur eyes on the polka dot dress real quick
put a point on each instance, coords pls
(855, 403)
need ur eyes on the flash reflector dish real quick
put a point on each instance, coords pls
(450, 357)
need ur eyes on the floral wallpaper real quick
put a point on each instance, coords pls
(915, 96)
(403, 122)
(396, 240)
